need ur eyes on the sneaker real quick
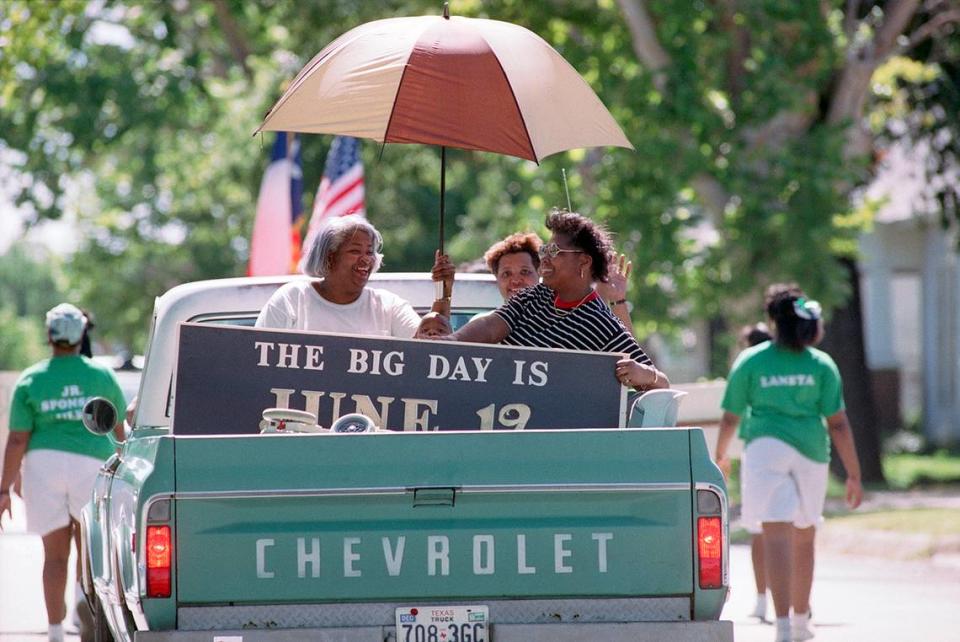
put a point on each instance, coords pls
(760, 607)
(800, 627)
(784, 633)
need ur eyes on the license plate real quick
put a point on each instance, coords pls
(443, 624)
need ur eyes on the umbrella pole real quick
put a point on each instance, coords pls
(443, 190)
(443, 291)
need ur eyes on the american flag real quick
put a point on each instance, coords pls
(341, 188)
(275, 244)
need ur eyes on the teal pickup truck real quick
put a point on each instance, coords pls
(211, 527)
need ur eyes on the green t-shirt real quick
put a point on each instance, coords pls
(787, 395)
(743, 431)
(48, 402)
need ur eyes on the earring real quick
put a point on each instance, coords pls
(581, 273)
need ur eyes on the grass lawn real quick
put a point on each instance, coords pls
(903, 471)
(906, 470)
(933, 521)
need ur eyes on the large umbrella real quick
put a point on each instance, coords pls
(458, 82)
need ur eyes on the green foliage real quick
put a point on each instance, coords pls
(909, 470)
(21, 340)
(145, 110)
(30, 281)
(917, 101)
(30, 284)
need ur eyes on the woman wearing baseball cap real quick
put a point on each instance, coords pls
(59, 457)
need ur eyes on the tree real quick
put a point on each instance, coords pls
(747, 118)
(146, 111)
(31, 281)
(21, 340)
(30, 284)
(799, 137)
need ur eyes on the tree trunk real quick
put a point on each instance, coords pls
(844, 342)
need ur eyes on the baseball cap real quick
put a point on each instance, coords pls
(66, 323)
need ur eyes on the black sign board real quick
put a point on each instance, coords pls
(226, 376)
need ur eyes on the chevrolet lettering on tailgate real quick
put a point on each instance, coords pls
(313, 554)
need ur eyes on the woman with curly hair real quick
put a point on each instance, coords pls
(515, 262)
(564, 310)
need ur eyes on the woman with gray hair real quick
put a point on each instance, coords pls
(345, 253)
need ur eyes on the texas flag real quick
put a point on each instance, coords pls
(275, 246)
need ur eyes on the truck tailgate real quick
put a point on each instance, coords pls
(431, 516)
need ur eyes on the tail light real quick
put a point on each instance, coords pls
(710, 550)
(711, 547)
(159, 553)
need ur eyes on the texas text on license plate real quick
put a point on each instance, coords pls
(443, 624)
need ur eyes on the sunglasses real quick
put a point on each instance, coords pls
(552, 251)
(806, 309)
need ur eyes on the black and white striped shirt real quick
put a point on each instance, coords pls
(535, 322)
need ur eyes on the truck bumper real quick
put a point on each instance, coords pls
(713, 631)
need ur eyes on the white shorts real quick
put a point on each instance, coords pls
(56, 485)
(781, 485)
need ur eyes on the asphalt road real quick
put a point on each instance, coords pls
(855, 599)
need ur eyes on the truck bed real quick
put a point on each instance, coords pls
(362, 524)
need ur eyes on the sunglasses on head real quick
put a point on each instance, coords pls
(552, 251)
(806, 309)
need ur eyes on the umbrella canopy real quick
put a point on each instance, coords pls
(458, 82)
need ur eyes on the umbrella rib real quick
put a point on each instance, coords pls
(516, 104)
(298, 80)
(396, 94)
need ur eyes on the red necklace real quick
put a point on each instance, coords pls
(569, 306)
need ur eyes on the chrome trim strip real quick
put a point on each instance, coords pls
(579, 488)
(397, 490)
(725, 560)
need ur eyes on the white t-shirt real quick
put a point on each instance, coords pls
(298, 306)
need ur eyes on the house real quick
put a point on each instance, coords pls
(911, 289)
